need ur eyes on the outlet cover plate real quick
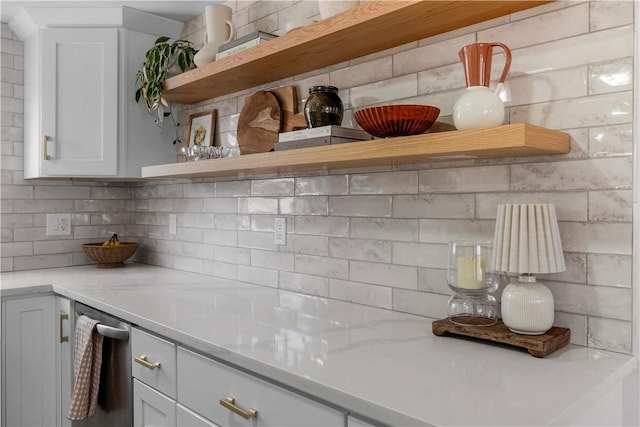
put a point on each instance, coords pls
(280, 235)
(59, 224)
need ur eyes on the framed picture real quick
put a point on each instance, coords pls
(201, 128)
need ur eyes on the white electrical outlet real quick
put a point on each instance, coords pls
(172, 224)
(58, 224)
(280, 235)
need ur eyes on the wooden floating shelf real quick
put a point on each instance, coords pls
(366, 29)
(537, 345)
(513, 140)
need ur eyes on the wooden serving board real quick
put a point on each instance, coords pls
(259, 123)
(537, 345)
(288, 100)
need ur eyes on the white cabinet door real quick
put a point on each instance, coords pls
(189, 418)
(79, 73)
(152, 408)
(64, 367)
(30, 351)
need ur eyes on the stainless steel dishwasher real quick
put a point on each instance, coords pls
(115, 401)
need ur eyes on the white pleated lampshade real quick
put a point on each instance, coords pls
(527, 239)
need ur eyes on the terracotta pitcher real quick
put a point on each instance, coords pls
(479, 106)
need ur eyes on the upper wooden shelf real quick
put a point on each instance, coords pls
(505, 141)
(368, 28)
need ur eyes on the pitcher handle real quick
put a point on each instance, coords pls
(232, 33)
(507, 62)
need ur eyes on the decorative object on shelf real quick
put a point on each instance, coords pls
(243, 43)
(527, 242)
(470, 276)
(478, 106)
(204, 152)
(288, 100)
(323, 135)
(158, 63)
(537, 345)
(323, 107)
(111, 255)
(328, 8)
(259, 123)
(220, 30)
(202, 126)
(396, 120)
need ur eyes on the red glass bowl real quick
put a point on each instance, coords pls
(396, 120)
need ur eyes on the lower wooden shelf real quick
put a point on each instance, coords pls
(537, 345)
(515, 140)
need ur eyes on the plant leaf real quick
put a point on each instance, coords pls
(161, 39)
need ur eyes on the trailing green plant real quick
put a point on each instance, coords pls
(159, 60)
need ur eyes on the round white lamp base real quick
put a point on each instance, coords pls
(527, 306)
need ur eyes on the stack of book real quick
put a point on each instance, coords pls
(243, 43)
(323, 135)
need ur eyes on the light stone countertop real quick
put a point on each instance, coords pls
(383, 364)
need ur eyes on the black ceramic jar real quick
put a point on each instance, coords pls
(323, 107)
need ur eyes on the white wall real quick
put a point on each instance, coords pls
(378, 236)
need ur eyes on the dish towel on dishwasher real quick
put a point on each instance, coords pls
(87, 360)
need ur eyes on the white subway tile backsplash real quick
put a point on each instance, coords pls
(220, 269)
(446, 230)
(594, 174)
(42, 261)
(370, 206)
(430, 56)
(360, 249)
(570, 206)
(385, 229)
(420, 303)
(576, 323)
(434, 206)
(222, 205)
(360, 293)
(599, 301)
(17, 249)
(317, 205)
(611, 205)
(609, 270)
(232, 222)
(611, 141)
(611, 76)
(259, 276)
(465, 180)
(420, 254)
(383, 92)
(43, 206)
(603, 238)
(384, 183)
(271, 259)
(272, 187)
(322, 266)
(321, 226)
(199, 190)
(396, 276)
(610, 334)
(322, 185)
(257, 205)
(607, 14)
(547, 86)
(233, 255)
(433, 280)
(303, 283)
(220, 237)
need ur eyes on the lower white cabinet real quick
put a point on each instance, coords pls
(186, 417)
(152, 408)
(29, 362)
(229, 397)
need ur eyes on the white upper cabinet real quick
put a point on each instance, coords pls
(81, 118)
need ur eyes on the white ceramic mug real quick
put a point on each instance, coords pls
(220, 30)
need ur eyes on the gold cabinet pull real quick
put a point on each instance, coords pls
(230, 404)
(46, 148)
(63, 317)
(142, 360)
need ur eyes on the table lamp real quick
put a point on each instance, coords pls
(526, 243)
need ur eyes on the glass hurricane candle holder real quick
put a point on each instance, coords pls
(470, 276)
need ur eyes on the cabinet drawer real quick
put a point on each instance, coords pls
(186, 417)
(154, 361)
(204, 382)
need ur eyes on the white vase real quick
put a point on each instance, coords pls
(527, 306)
(478, 107)
(329, 8)
(220, 30)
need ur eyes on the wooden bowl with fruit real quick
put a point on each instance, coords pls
(111, 253)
